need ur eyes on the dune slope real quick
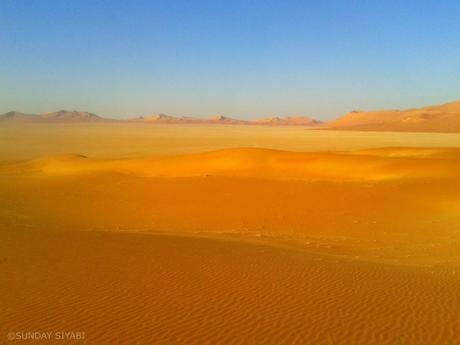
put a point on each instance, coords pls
(144, 289)
(234, 246)
(439, 118)
(392, 204)
(367, 165)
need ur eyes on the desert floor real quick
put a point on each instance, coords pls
(138, 234)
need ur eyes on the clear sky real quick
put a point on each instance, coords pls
(241, 58)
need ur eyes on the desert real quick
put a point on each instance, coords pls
(177, 172)
(442, 118)
(233, 234)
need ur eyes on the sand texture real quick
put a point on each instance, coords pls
(228, 237)
(436, 118)
(146, 289)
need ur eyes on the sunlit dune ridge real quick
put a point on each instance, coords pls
(364, 165)
(436, 118)
(235, 246)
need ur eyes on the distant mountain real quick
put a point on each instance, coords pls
(438, 118)
(58, 116)
(220, 119)
(154, 118)
(65, 115)
(16, 116)
(168, 119)
(288, 121)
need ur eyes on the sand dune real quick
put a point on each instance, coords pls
(122, 140)
(19, 141)
(438, 118)
(145, 289)
(368, 165)
(404, 198)
(237, 245)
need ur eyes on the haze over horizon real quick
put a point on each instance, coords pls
(239, 59)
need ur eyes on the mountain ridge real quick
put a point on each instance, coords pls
(433, 118)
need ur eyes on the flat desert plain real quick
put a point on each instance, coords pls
(194, 234)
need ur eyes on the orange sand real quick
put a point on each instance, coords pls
(145, 289)
(236, 246)
(116, 140)
(436, 118)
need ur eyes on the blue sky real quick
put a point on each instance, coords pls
(237, 58)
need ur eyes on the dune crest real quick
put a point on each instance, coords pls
(365, 165)
(437, 118)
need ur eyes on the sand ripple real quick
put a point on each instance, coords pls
(148, 289)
